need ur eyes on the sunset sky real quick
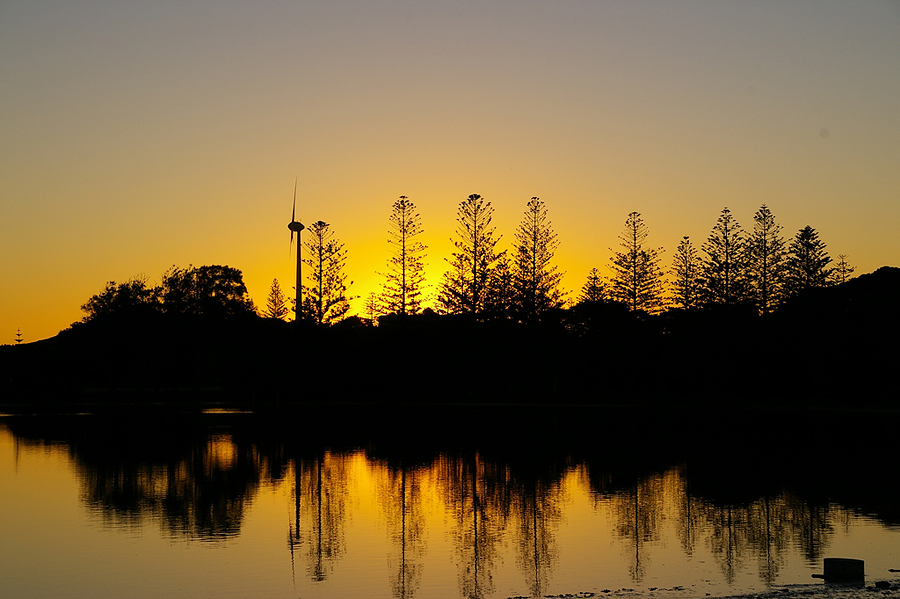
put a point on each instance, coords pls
(139, 135)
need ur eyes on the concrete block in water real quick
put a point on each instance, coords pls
(841, 569)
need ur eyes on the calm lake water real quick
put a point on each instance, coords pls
(455, 502)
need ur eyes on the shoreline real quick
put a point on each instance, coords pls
(807, 591)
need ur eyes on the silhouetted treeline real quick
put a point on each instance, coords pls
(757, 268)
(209, 291)
(830, 346)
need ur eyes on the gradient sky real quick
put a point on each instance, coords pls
(139, 135)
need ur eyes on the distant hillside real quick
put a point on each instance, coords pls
(873, 295)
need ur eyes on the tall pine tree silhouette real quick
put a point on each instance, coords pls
(325, 299)
(765, 262)
(724, 266)
(405, 278)
(637, 277)
(465, 285)
(536, 279)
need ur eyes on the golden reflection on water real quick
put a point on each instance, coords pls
(489, 514)
(202, 493)
(321, 495)
(402, 494)
(481, 527)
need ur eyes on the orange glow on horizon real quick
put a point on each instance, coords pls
(135, 140)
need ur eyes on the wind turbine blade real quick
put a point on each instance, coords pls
(293, 217)
(294, 207)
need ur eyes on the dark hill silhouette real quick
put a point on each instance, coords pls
(830, 347)
(841, 342)
(868, 298)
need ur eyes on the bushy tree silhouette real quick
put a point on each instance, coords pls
(216, 291)
(807, 261)
(213, 291)
(130, 297)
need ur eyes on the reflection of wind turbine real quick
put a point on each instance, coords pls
(294, 540)
(296, 226)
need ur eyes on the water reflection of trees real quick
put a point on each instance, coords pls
(197, 481)
(766, 529)
(200, 491)
(401, 496)
(535, 507)
(639, 516)
(320, 511)
(476, 495)
(763, 529)
(490, 500)
(194, 479)
(769, 517)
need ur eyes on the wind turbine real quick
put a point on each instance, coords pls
(296, 226)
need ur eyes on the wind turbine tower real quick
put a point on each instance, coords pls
(296, 226)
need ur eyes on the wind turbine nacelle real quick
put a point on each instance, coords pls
(296, 226)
